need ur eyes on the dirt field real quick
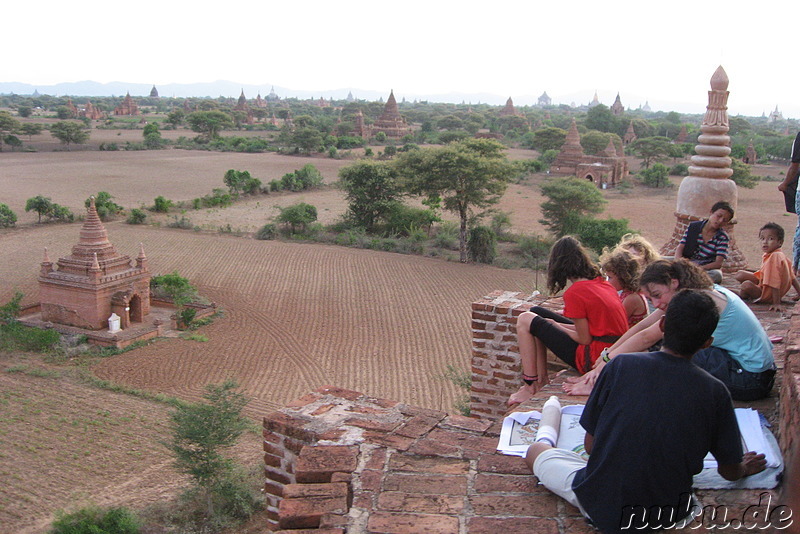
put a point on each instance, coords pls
(297, 316)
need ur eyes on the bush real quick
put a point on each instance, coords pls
(742, 175)
(297, 217)
(161, 205)
(568, 198)
(656, 176)
(136, 216)
(679, 169)
(401, 219)
(60, 213)
(7, 217)
(106, 207)
(93, 520)
(184, 223)
(597, 234)
(482, 244)
(16, 336)
(534, 249)
(266, 232)
(446, 236)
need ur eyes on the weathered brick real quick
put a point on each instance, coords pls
(376, 458)
(434, 484)
(493, 525)
(272, 460)
(317, 463)
(342, 393)
(401, 443)
(396, 501)
(370, 480)
(304, 400)
(273, 488)
(427, 447)
(466, 423)
(539, 505)
(491, 483)
(502, 464)
(322, 410)
(426, 464)
(394, 523)
(417, 426)
(304, 504)
(372, 424)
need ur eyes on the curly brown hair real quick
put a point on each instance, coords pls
(569, 260)
(624, 266)
(688, 275)
(641, 246)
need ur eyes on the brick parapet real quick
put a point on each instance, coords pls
(495, 354)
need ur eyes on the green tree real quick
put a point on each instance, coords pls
(655, 176)
(152, 135)
(7, 217)
(105, 205)
(179, 290)
(371, 188)
(595, 142)
(176, 117)
(202, 432)
(8, 124)
(297, 216)
(651, 148)
(237, 181)
(30, 129)
(24, 111)
(468, 174)
(161, 204)
(13, 141)
(548, 139)
(39, 204)
(482, 244)
(601, 118)
(568, 198)
(93, 520)
(69, 132)
(307, 139)
(742, 175)
(209, 123)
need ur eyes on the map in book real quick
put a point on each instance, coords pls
(519, 431)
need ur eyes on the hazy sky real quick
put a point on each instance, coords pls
(660, 52)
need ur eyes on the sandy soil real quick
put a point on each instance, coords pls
(297, 316)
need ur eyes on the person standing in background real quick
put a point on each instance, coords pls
(789, 184)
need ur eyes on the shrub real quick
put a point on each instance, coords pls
(17, 336)
(599, 233)
(446, 236)
(161, 204)
(60, 213)
(679, 169)
(105, 206)
(534, 249)
(266, 232)
(183, 223)
(7, 217)
(656, 176)
(93, 520)
(401, 219)
(482, 244)
(136, 216)
(742, 175)
(568, 198)
(297, 217)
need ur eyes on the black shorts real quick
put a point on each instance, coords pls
(555, 339)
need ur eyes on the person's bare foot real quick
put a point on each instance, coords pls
(578, 388)
(573, 379)
(796, 297)
(524, 393)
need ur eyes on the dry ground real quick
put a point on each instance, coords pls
(297, 316)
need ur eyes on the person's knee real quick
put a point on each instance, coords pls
(534, 451)
(524, 321)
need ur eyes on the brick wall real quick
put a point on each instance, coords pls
(496, 365)
(790, 423)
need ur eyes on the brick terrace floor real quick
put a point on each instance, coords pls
(343, 462)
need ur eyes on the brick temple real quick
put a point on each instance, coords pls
(86, 287)
(391, 122)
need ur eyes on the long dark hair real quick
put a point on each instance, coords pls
(688, 275)
(568, 259)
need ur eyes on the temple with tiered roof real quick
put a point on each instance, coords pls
(85, 288)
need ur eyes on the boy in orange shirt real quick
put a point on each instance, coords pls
(772, 281)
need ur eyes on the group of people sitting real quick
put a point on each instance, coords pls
(661, 349)
(607, 313)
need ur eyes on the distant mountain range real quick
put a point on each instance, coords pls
(232, 89)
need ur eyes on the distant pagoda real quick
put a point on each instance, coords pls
(709, 174)
(391, 122)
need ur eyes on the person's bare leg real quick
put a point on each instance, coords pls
(749, 290)
(541, 362)
(528, 358)
(534, 451)
(742, 276)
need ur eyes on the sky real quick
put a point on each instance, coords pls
(662, 53)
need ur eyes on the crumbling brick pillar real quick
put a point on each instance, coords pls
(790, 422)
(495, 354)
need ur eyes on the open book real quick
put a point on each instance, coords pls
(520, 428)
(753, 439)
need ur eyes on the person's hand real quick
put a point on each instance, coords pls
(776, 307)
(753, 463)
